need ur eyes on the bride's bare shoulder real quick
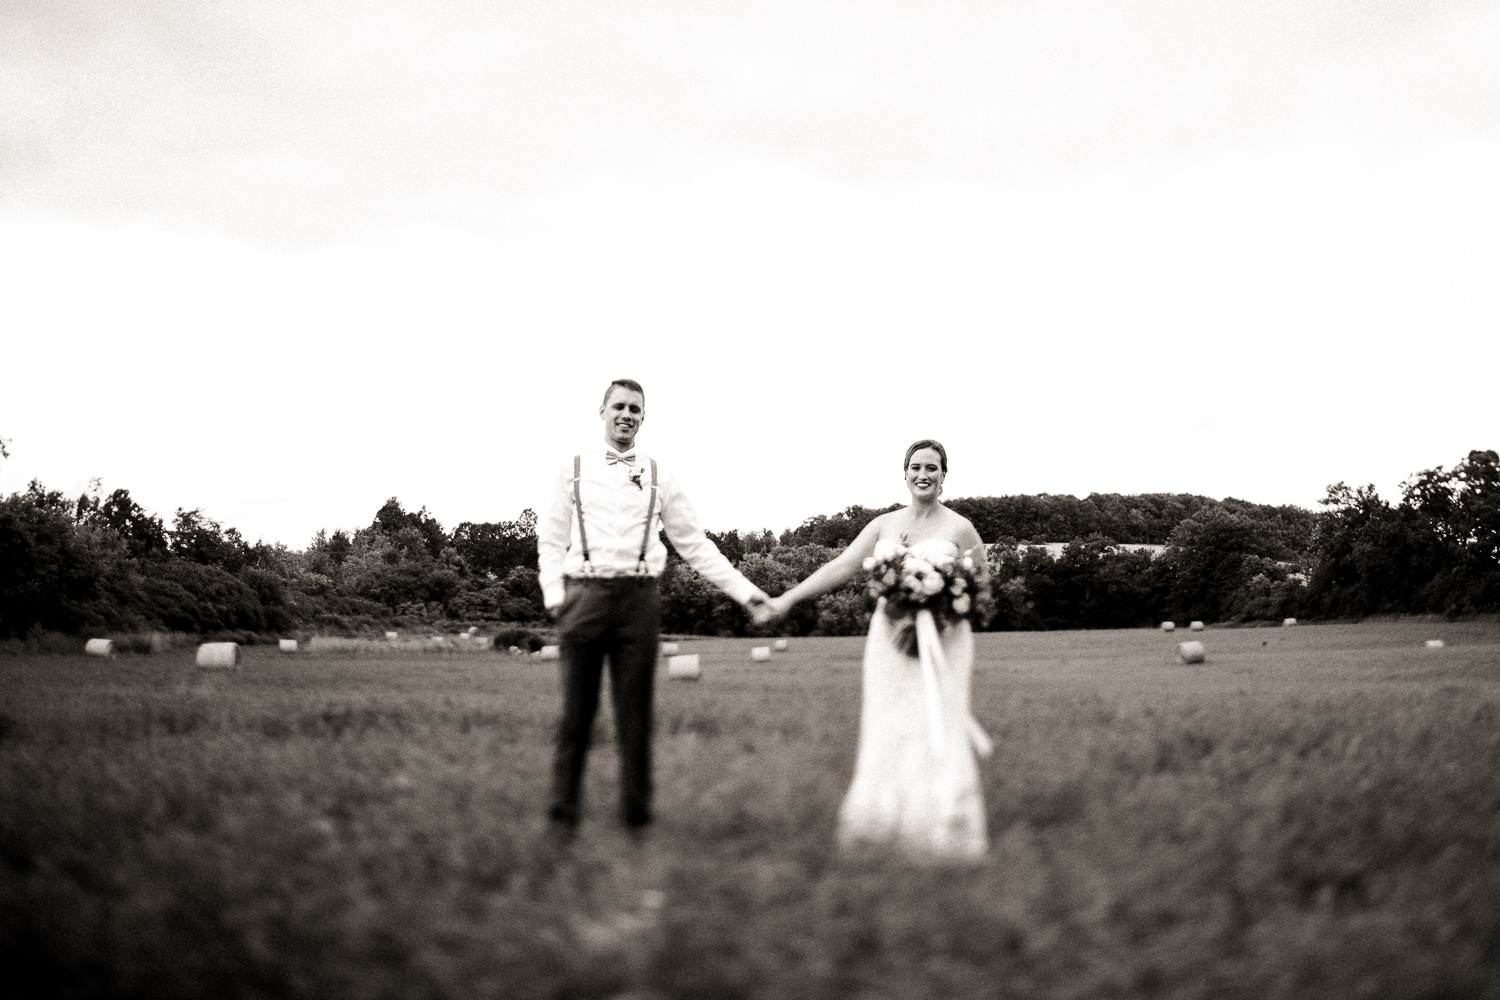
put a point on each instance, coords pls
(887, 525)
(963, 529)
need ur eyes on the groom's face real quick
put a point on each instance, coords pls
(623, 412)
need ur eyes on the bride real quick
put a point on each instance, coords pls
(916, 780)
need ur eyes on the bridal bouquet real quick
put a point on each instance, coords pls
(947, 586)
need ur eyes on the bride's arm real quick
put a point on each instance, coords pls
(833, 574)
(970, 544)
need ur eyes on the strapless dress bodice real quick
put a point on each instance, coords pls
(936, 548)
(931, 549)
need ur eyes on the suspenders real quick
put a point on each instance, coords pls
(650, 512)
(583, 537)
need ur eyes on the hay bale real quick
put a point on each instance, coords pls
(1195, 626)
(100, 647)
(392, 636)
(684, 667)
(670, 649)
(1190, 652)
(548, 653)
(1433, 644)
(779, 645)
(1169, 626)
(760, 653)
(287, 645)
(219, 656)
(1288, 621)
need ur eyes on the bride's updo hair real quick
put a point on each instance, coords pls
(927, 443)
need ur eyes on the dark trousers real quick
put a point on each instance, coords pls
(618, 619)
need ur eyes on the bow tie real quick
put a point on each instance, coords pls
(610, 458)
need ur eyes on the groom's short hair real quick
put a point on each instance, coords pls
(624, 383)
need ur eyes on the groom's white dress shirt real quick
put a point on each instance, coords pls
(615, 498)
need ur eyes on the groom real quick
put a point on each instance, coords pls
(599, 556)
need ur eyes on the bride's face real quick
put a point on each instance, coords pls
(924, 473)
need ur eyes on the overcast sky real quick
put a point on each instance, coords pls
(282, 260)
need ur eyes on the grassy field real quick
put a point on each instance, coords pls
(1314, 812)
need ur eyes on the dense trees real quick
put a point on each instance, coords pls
(498, 548)
(1436, 551)
(142, 532)
(107, 564)
(1207, 556)
(1094, 584)
(102, 562)
(50, 573)
(1147, 518)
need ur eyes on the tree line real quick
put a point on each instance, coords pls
(100, 563)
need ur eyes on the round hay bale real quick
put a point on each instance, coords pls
(1433, 644)
(219, 655)
(392, 636)
(779, 645)
(760, 653)
(1288, 621)
(548, 653)
(473, 629)
(1169, 626)
(684, 667)
(1190, 652)
(287, 645)
(100, 647)
(1195, 626)
(670, 649)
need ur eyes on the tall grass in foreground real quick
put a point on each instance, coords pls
(1315, 812)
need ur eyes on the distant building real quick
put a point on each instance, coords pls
(1055, 549)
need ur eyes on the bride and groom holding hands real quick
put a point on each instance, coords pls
(916, 783)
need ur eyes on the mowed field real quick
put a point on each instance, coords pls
(1314, 812)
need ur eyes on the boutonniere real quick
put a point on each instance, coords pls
(635, 475)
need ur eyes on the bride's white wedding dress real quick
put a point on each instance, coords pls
(916, 780)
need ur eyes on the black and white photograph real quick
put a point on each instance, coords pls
(1062, 561)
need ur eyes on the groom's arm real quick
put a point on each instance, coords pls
(553, 535)
(681, 524)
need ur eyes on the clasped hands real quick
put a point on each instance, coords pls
(765, 610)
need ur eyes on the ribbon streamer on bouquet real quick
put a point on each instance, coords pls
(937, 683)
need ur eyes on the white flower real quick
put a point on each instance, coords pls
(961, 604)
(967, 564)
(868, 564)
(932, 583)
